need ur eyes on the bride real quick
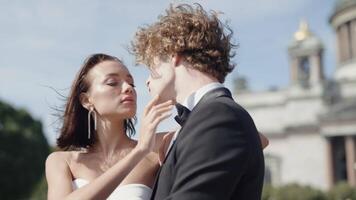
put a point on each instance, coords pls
(98, 158)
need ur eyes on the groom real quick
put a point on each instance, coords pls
(217, 153)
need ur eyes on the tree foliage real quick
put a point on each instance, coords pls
(341, 191)
(23, 150)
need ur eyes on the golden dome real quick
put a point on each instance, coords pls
(303, 31)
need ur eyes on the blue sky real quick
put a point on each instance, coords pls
(43, 43)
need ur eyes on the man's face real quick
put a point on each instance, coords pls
(162, 79)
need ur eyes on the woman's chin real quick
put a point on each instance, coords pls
(129, 114)
(122, 114)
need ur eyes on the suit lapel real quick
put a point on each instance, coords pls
(218, 92)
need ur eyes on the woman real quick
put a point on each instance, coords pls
(100, 160)
(97, 124)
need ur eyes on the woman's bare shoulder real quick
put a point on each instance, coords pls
(64, 157)
(57, 166)
(58, 158)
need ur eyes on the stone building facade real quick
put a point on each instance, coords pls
(311, 123)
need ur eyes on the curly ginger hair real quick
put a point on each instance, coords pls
(199, 37)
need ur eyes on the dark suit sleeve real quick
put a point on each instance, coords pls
(212, 156)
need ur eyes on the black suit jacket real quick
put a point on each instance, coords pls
(217, 154)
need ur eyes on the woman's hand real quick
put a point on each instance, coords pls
(153, 114)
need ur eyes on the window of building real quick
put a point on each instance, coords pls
(304, 71)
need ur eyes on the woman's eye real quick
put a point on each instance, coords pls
(132, 85)
(112, 83)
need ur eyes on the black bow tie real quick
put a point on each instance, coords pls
(183, 113)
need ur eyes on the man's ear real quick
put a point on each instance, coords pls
(84, 100)
(176, 59)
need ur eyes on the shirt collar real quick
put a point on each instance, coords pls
(192, 100)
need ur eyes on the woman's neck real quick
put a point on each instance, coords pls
(111, 137)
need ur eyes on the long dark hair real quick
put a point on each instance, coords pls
(74, 132)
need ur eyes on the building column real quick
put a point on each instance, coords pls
(294, 71)
(339, 45)
(316, 74)
(330, 162)
(344, 43)
(350, 160)
(353, 37)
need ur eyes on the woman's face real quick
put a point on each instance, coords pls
(112, 91)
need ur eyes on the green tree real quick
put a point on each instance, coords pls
(40, 191)
(292, 192)
(342, 191)
(23, 150)
(268, 192)
(297, 192)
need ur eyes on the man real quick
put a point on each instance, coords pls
(217, 152)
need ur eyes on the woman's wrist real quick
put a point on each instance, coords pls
(138, 150)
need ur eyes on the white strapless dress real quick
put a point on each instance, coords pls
(124, 192)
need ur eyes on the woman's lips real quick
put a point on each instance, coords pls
(127, 99)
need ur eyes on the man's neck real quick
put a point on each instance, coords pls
(191, 81)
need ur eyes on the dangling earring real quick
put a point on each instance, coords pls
(91, 110)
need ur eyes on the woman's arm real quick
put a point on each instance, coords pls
(144, 172)
(59, 177)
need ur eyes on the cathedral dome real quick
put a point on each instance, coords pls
(340, 7)
(304, 39)
(342, 4)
